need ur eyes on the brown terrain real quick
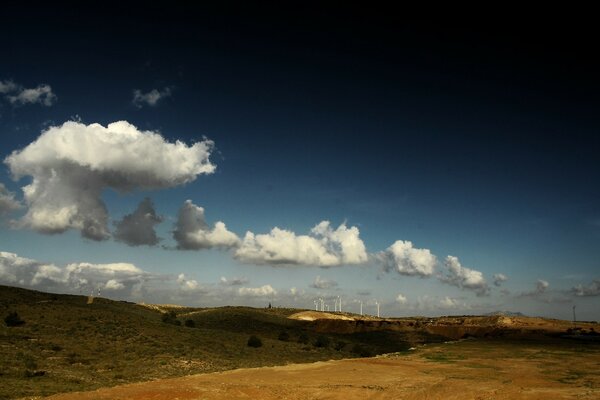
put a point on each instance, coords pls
(497, 357)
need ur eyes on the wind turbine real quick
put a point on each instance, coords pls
(340, 303)
(377, 304)
(360, 301)
(316, 305)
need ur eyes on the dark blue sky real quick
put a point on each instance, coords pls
(471, 139)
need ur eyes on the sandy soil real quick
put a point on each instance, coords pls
(465, 370)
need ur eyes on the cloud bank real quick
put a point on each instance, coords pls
(266, 290)
(193, 233)
(403, 258)
(593, 289)
(137, 228)
(73, 163)
(463, 277)
(322, 283)
(18, 95)
(324, 247)
(83, 277)
(499, 279)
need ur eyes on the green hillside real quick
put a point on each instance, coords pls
(65, 344)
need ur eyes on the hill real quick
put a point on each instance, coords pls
(52, 343)
(66, 344)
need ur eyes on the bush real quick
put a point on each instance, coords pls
(362, 351)
(284, 336)
(190, 323)
(339, 345)
(254, 341)
(170, 318)
(303, 338)
(322, 341)
(13, 319)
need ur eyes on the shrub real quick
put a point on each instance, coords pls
(303, 338)
(170, 318)
(362, 351)
(190, 323)
(13, 319)
(254, 341)
(284, 336)
(322, 341)
(339, 345)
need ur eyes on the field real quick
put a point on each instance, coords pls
(66, 344)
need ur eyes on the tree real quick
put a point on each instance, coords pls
(13, 319)
(254, 341)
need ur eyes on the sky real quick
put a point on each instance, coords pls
(250, 155)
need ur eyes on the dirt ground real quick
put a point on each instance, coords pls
(468, 369)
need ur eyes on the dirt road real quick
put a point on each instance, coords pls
(466, 370)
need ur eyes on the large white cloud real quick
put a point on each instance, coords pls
(137, 228)
(18, 95)
(407, 260)
(324, 247)
(463, 277)
(72, 163)
(193, 233)
(8, 202)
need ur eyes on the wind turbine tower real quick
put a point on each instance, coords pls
(377, 304)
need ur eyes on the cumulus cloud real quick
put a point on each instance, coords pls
(407, 260)
(541, 287)
(193, 233)
(499, 278)
(186, 284)
(16, 270)
(137, 228)
(266, 290)
(593, 289)
(324, 247)
(450, 303)
(463, 277)
(150, 98)
(235, 281)
(401, 299)
(72, 163)
(8, 203)
(322, 283)
(18, 95)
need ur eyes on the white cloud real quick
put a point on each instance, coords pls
(8, 202)
(464, 278)
(324, 247)
(407, 260)
(186, 284)
(499, 278)
(262, 291)
(541, 286)
(82, 277)
(235, 281)
(193, 233)
(593, 289)
(401, 299)
(137, 228)
(150, 98)
(71, 164)
(450, 303)
(8, 87)
(321, 283)
(18, 95)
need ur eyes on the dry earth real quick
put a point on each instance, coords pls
(469, 369)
